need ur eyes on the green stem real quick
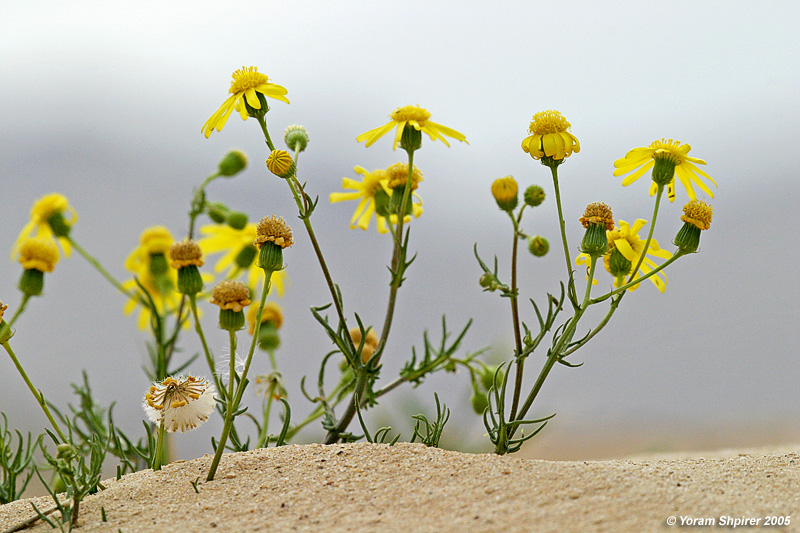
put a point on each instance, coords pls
(515, 314)
(159, 456)
(230, 408)
(36, 393)
(96, 264)
(397, 267)
(17, 313)
(649, 234)
(199, 329)
(562, 226)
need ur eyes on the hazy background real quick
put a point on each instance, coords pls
(103, 102)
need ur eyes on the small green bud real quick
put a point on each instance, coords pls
(244, 259)
(218, 212)
(697, 217)
(487, 282)
(534, 195)
(688, 238)
(233, 163)
(538, 246)
(158, 264)
(296, 138)
(487, 375)
(236, 219)
(268, 337)
(31, 282)
(595, 241)
(479, 402)
(382, 203)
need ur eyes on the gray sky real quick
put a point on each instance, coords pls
(104, 103)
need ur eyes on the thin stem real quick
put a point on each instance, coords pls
(515, 314)
(659, 192)
(96, 264)
(638, 280)
(36, 393)
(199, 329)
(159, 456)
(230, 408)
(562, 226)
(17, 313)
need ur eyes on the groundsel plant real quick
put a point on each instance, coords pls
(171, 286)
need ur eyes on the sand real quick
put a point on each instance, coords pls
(410, 487)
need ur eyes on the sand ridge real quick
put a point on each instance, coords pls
(410, 487)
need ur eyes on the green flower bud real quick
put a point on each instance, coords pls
(696, 218)
(244, 259)
(31, 282)
(268, 337)
(382, 203)
(618, 265)
(597, 218)
(59, 224)
(479, 402)
(236, 219)
(158, 264)
(296, 138)
(218, 212)
(270, 257)
(538, 246)
(534, 195)
(233, 163)
(231, 320)
(487, 374)
(487, 282)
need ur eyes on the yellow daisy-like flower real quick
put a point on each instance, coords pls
(154, 242)
(625, 239)
(247, 82)
(372, 188)
(42, 213)
(239, 255)
(416, 117)
(38, 253)
(686, 168)
(549, 137)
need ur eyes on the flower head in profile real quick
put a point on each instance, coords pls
(668, 159)
(415, 117)
(38, 253)
(625, 249)
(181, 403)
(48, 220)
(238, 255)
(150, 266)
(550, 137)
(244, 91)
(374, 193)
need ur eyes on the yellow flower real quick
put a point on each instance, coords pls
(373, 188)
(698, 214)
(42, 213)
(417, 118)
(272, 313)
(505, 192)
(675, 153)
(149, 264)
(38, 253)
(626, 241)
(247, 82)
(230, 294)
(549, 137)
(279, 162)
(239, 255)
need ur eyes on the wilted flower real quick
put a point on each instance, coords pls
(181, 404)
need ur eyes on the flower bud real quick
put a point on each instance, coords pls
(37, 255)
(296, 138)
(479, 402)
(538, 246)
(218, 212)
(231, 297)
(280, 163)
(411, 138)
(505, 192)
(618, 265)
(487, 376)
(233, 163)
(272, 236)
(236, 220)
(186, 257)
(534, 195)
(696, 218)
(488, 282)
(596, 219)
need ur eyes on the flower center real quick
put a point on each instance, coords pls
(410, 112)
(548, 122)
(670, 150)
(247, 78)
(698, 213)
